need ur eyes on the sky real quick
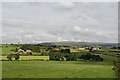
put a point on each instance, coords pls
(36, 22)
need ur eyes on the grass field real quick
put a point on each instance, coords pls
(27, 57)
(107, 59)
(7, 49)
(56, 69)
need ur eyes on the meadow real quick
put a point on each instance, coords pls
(27, 58)
(56, 69)
(30, 67)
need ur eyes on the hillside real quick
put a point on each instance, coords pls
(81, 44)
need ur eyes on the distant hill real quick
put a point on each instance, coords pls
(109, 45)
(81, 44)
(47, 43)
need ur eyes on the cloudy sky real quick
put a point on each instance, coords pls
(36, 22)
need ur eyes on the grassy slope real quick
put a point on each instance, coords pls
(38, 69)
(56, 69)
(7, 50)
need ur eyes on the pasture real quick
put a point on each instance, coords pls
(56, 69)
(41, 67)
(27, 57)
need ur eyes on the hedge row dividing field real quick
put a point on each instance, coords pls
(28, 57)
(107, 58)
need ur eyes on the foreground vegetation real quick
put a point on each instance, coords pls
(56, 69)
(41, 65)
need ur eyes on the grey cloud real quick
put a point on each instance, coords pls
(55, 21)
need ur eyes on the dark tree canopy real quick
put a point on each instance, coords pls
(62, 54)
(13, 56)
(65, 51)
(89, 56)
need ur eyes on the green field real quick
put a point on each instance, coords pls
(27, 57)
(56, 69)
(7, 49)
(29, 67)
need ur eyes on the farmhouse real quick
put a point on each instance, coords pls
(77, 48)
(81, 49)
(94, 49)
(27, 52)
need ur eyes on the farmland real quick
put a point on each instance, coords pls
(39, 66)
(56, 69)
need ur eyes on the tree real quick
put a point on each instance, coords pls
(90, 49)
(60, 55)
(16, 49)
(54, 46)
(65, 51)
(93, 57)
(56, 55)
(70, 57)
(10, 57)
(97, 57)
(87, 56)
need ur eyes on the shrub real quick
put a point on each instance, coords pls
(117, 69)
(97, 57)
(89, 56)
(65, 50)
(82, 56)
(60, 55)
(71, 57)
(10, 57)
(56, 55)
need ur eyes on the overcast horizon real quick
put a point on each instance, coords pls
(36, 22)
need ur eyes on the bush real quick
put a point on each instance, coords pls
(10, 57)
(71, 57)
(89, 56)
(86, 56)
(65, 51)
(56, 55)
(60, 55)
(117, 69)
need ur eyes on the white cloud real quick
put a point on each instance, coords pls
(86, 29)
(99, 33)
(28, 36)
(11, 22)
(77, 28)
(3, 35)
(19, 38)
(59, 39)
(107, 34)
(67, 5)
(21, 31)
(36, 41)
